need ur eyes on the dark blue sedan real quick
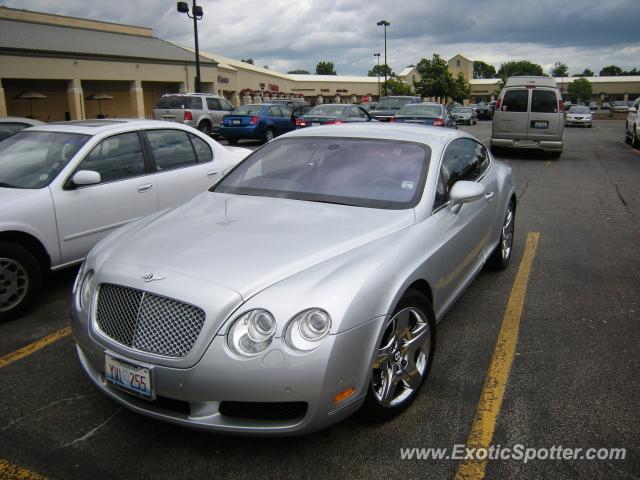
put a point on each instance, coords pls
(256, 121)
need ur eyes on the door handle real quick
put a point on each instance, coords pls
(144, 188)
(212, 173)
(489, 196)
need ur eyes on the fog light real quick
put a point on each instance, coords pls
(343, 395)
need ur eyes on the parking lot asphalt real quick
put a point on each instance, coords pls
(574, 380)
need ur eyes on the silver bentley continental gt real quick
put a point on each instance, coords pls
(304, 286)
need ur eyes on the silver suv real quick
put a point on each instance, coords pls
(200, 110)
(529, 114)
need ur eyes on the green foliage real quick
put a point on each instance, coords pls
(580, 89)
(611, 71)
(436, 80)
(299, 72)
(396, 87)
(247, 60)
(586, 73)
(518, 67)
(483, 70)
(560, 70)
(461, 89)
(381, 70)
(325, 68)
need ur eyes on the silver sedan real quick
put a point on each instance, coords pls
(306, 285)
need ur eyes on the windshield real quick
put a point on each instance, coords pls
(392, 103)
(579, 110)
(247, 110)
(424, 110)
(360, 172)
(462, 110)
(327, 111)
(31, 159)
(619, 102)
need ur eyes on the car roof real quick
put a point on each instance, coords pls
(531, 80)
(30, 121)
(98, 126)
(431, 136)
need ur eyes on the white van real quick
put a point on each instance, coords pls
(529, 113)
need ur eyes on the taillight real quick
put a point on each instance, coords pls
(561, 105)
(437, 122)
(498, 104)
(188, 115)
(254, 120)
(393, 120)
(300, 123)
(333, 122)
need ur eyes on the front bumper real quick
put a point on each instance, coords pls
(577, 121)
(546, 145)
(276, 377)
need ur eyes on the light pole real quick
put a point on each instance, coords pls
(196, 10)
(378, 55)
(385, 24)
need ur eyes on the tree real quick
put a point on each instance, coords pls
(633, 71)
(299, 72)
(436, 80)
(586, 73)
(518, 67)
(483, 70)
(461, 89)
(560, 69)
(580, 89)
(247, 60)
(325, 68)
(396, 87)
(375, 71)
(611, 71)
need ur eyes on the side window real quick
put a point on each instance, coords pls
(544, 101)
(116, 158)
(285, 112)
(214, 104)
(274, 111)
(195, 103)
(515, 101)
(171, 149)
(226, 106)
(203, 151)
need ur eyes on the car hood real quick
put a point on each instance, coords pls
(248, 243)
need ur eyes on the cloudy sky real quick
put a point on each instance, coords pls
(291, 34)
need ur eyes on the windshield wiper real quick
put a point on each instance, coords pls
(7, 185)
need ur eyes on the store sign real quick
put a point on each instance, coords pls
(222, 79)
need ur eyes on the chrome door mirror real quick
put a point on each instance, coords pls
(86, 177)
(465, 192)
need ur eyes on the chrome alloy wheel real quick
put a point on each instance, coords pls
(14, 284)
(507, 233)
(401, 360)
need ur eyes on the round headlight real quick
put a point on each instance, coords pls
(86, 290)
(251, 333)
(308, 329)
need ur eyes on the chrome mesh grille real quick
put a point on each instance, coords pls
(148, 322)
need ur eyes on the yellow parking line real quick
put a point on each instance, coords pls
(495, 383)
(9, 471)
(34, 347)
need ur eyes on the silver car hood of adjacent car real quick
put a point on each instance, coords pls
(248, 243)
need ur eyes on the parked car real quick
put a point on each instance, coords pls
(593, 106)
(304, 286)
(200, 110)
(484, 111)
(257, 121)
(427, 113)
(632, 125)
(333, 114)
(290, 103)
(529, 114)
(11, 125)
(369, 106)
(474, 107)
(65, 186)
(620, 106)
(578, 116)
(606, 106)
(464, 115)
(387, 107)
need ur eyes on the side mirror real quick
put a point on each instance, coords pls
(86, 177)
(464, 192)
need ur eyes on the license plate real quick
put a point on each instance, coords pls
(314, 124)
(128, 376)
(236, 122)
(540, 124)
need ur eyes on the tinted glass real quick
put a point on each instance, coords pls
(34, 159)
(327, 111)
(214, 104)
(171, 149)
(180, 102)
(203, 151)
(579, 110)
(360, 172)
(226, 105)
(544, 101)
(116, 158)
(285, 112)
(9, 128)
(248, 110)
(393, 103)
(464, 159)
(274, 111)
(515, 101)
(424, 110)
(462, 110)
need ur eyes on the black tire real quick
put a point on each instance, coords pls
(20, 280)
(635, 142)
(269, 135)
(232, 140)
(205, 127)
(373, 409)
(627, 137)
(555, 155)
(499, 258)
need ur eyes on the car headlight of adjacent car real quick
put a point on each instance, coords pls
(307, 329)
(251, 333)
(85, 289)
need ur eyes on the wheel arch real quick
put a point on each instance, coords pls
(29, 242)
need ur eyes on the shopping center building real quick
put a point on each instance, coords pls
(55, 68)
